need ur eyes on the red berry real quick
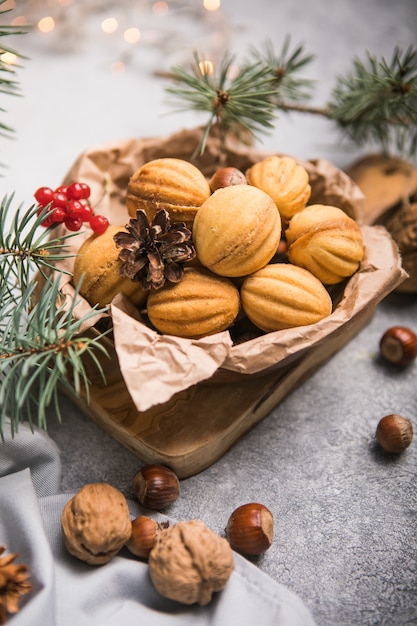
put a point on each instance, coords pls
(73, 223)
(87, 213)
(60, 200)
(74, 209)
(78, 191)
(58, 215)
(62, 189)
(48, 221)
(44, 195)
(99, 224)
(86, 191)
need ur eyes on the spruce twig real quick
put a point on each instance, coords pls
(240, 105)
(284, 68)
(39, 346)
(25, 247)
(40, 338)
(377, 101)
(40, 341)
(8, 84)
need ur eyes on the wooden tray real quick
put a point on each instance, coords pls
(197, 426)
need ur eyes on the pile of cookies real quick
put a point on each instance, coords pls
(199, 254)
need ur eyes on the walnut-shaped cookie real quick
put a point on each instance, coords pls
(326, 241)
(172, 184)
(285, 180)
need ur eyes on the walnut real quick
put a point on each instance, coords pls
(96, 523)
(189, 562)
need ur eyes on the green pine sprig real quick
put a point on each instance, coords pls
(284, 67)
(39, 346)
(40, 337)
(377, 101)
(26, 247)
(241, 105)
(8, 83)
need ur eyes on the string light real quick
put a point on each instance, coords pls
(118, 67)
(160, 8)
(72, 21)
(131, 35)
(211, 5)
(46, 24)
(109, 25)
(9, 58)
(20, 20)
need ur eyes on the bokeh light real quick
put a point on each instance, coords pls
(46, 24)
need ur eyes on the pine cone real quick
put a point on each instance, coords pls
(152, 254)
(13, 584)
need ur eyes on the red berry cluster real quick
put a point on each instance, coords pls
(70, 206)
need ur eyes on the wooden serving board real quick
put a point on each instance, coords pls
(197, 426)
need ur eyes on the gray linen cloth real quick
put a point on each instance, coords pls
(67, 591)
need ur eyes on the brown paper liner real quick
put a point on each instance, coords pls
(155, 367)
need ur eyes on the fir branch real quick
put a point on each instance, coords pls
(377, 101)
(240, 105)
(25, 246)
(8, 84)
(284, 67)
(38, 348)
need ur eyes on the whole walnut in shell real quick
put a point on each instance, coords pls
(96, 523)
(189, 562)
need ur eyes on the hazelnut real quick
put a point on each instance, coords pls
(143, 537)
(96, 523)
(394, 433)
(250, 529)
(156, 486)
(225, 177)
(189, 562)
(399, 345)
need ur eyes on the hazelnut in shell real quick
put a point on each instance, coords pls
(394, 433)
(143, 537)
(237, 231)
(250, 529)
(225, 177)
(96, 523)
(398, 345)
(156, 486)
(189, 562)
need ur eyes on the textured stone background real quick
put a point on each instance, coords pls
(346, 531)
